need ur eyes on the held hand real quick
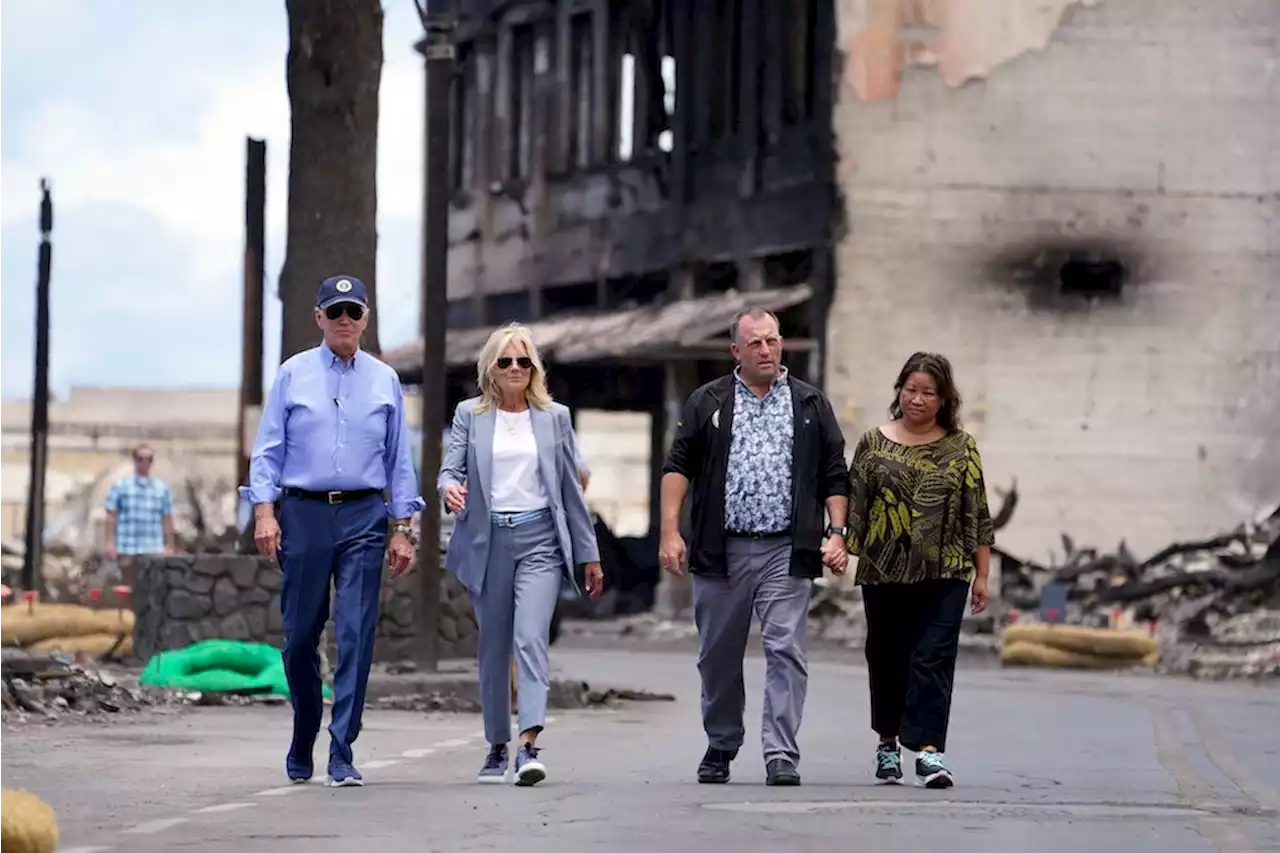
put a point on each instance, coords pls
(978, 596)
(834, 555)
(266, 535)
(400, 551)
(455, 498)
(671, 553)
(595, 580)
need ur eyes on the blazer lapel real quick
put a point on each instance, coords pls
(483, 438)
(544, 432)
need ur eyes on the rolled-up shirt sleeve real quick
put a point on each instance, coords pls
(266, 462)
(401, 479)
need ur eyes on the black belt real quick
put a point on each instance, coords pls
(337, 497)
(751, 534)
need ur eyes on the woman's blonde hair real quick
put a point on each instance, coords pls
(537, 393)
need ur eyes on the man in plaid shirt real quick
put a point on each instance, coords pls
(139, 516)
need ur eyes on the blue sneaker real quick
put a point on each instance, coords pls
(495, 765)
(343, 775)
(298, 766)
(888, 764)
(931, 772)
(529, 769)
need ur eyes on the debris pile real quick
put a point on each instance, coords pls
(1214, 604)
(52, 685)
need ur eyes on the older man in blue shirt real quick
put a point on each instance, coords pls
(331, 441)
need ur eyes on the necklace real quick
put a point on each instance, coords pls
(508, 421)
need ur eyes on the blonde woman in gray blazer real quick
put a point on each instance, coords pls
(511, 474)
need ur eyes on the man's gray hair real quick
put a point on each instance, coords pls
(754, 314)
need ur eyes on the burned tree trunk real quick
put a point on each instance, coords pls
(334, 71)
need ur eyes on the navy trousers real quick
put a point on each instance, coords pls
(343, 544)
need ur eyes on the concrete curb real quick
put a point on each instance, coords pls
(457, 691)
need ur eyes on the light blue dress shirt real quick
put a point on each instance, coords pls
(334, 427)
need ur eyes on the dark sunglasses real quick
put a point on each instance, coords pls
(505, 361)
(352, 310)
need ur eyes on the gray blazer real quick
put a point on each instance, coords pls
(468, 460)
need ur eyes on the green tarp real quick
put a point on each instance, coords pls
(220, 666)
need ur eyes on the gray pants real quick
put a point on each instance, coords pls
(758, 581)
(513, 612)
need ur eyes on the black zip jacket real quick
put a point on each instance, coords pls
(700, 453)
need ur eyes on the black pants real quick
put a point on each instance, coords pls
(913, 635)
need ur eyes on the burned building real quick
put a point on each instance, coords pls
(625, 177)
(1079, 202)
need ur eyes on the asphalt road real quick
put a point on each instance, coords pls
(1046, 762)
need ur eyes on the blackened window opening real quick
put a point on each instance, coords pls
(521, 110)
(581, 67)
(1091, 276)
(462, 104)
(724, 86)
(799, 45)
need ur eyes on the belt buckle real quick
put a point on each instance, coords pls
(334, 497)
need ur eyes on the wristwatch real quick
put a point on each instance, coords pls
(402, 528)
(832, 530)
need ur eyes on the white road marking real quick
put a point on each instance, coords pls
(83, 849)
(416, 753)
(454, 742)
(153, 826)
(381, 762)
(224, 807)
(277, 792)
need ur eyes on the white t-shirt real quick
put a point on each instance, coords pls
(516, 486)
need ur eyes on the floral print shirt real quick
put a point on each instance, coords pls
(757, 494)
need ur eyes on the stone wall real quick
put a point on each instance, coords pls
(183, 600)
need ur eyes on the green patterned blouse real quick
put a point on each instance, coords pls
(917, 512)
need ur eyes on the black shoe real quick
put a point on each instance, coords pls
(714, 769)
(780, 771)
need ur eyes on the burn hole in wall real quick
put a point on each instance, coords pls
(1063, 275)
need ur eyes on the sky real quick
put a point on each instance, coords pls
(137, 113)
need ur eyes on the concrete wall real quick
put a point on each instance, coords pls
(979, 141)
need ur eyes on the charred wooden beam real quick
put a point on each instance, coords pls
(686, 104)
(773, 72)
(750, 83)
(704, 57)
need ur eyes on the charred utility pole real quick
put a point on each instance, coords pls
(32, 560)
(438, 21)
(255, 216)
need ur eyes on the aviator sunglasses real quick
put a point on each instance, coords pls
(524, 361)
(351, 309)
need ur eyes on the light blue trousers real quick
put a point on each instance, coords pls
(513, 611)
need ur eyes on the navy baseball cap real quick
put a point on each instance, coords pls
(342, 288)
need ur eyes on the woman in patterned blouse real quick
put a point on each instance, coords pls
(920, 527)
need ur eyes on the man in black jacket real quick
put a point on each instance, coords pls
(765, 456)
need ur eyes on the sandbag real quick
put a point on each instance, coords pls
(27, 824)
(1102, 642)
(86, 644)
(22, 625)
(220, 666)
(1025, 653)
